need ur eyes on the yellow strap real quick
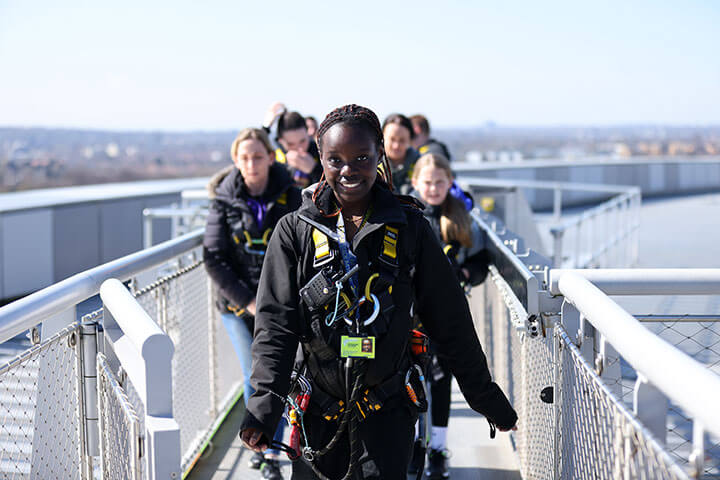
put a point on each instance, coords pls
(424, 149)
(447, 248)
(248, 238)
(368, 285)
(390, 242)
(280, 156)
(266, 236)
(322, 247)
(282, 199)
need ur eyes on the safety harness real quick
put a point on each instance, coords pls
(253, 248)
(353, 315)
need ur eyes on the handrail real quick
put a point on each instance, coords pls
(27, 312)
(644, 281)
(469, 179)
(145, 353)
(522, 281)
(693, 387)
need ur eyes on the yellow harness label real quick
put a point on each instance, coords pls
(357, 347)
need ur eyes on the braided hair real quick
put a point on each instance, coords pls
(359, 116)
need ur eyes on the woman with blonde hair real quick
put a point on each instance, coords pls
(463, 244)
(248, 199)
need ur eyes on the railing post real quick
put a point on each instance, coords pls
(175, 223)
(557, 234)
(557, 203)
(212, 351)
(146, 352)
(697, 455)
(89, 400)
(147, 228)
(557, 403)
(651, 406)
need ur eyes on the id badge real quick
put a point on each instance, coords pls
(357, 347)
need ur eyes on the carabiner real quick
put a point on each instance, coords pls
(373, 316)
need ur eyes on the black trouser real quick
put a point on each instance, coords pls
(440, 393)
(387, 437)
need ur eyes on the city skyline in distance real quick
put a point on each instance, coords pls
(184, 67)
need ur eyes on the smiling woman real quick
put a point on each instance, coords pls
(346, 269)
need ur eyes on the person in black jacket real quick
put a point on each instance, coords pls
(247, 201)
(397, 137)
(423, 142)
(297, 151)
(463, 243)
(343, 273)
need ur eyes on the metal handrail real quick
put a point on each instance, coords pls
(29, 311)
(644, 281)
(469, 179)
(516, 273)
(693, 387)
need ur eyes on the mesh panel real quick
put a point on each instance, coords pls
(119, 427)
(701, 341)
(538, 426)
(600, 439)
(39, 418)
(206, 372)
(187, 325)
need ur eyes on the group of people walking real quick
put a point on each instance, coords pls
(342, 298)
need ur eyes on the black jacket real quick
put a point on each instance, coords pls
(435, 146)
(402, 175)
(425, 274)
(234, 271)
(474, 259)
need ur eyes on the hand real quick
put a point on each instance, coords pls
(303, 161)
(251, 307)
(275, 110)
(251, 438)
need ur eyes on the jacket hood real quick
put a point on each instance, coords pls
(228, 185)
(216, 179)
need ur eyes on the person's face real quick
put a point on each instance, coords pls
(254, 161)
(432, 184)
(297, 140)
(349, 159)
(397, 141)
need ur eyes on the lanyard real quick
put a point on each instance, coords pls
(348, 257)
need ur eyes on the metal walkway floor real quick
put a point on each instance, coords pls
(474, 455)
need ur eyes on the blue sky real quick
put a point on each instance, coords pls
(185, 65)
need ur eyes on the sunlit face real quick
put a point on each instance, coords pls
(432, 184)
(349, 159)
(397, 141)
(297, 140)
(254, 162)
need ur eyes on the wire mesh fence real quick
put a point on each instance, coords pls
(599, 437)
(206, 373)
(40, 428)
(701, 341)
(120, 433)
(587, 431)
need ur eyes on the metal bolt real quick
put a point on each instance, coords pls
(174, 475)
(72, 340)
(35, 335)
